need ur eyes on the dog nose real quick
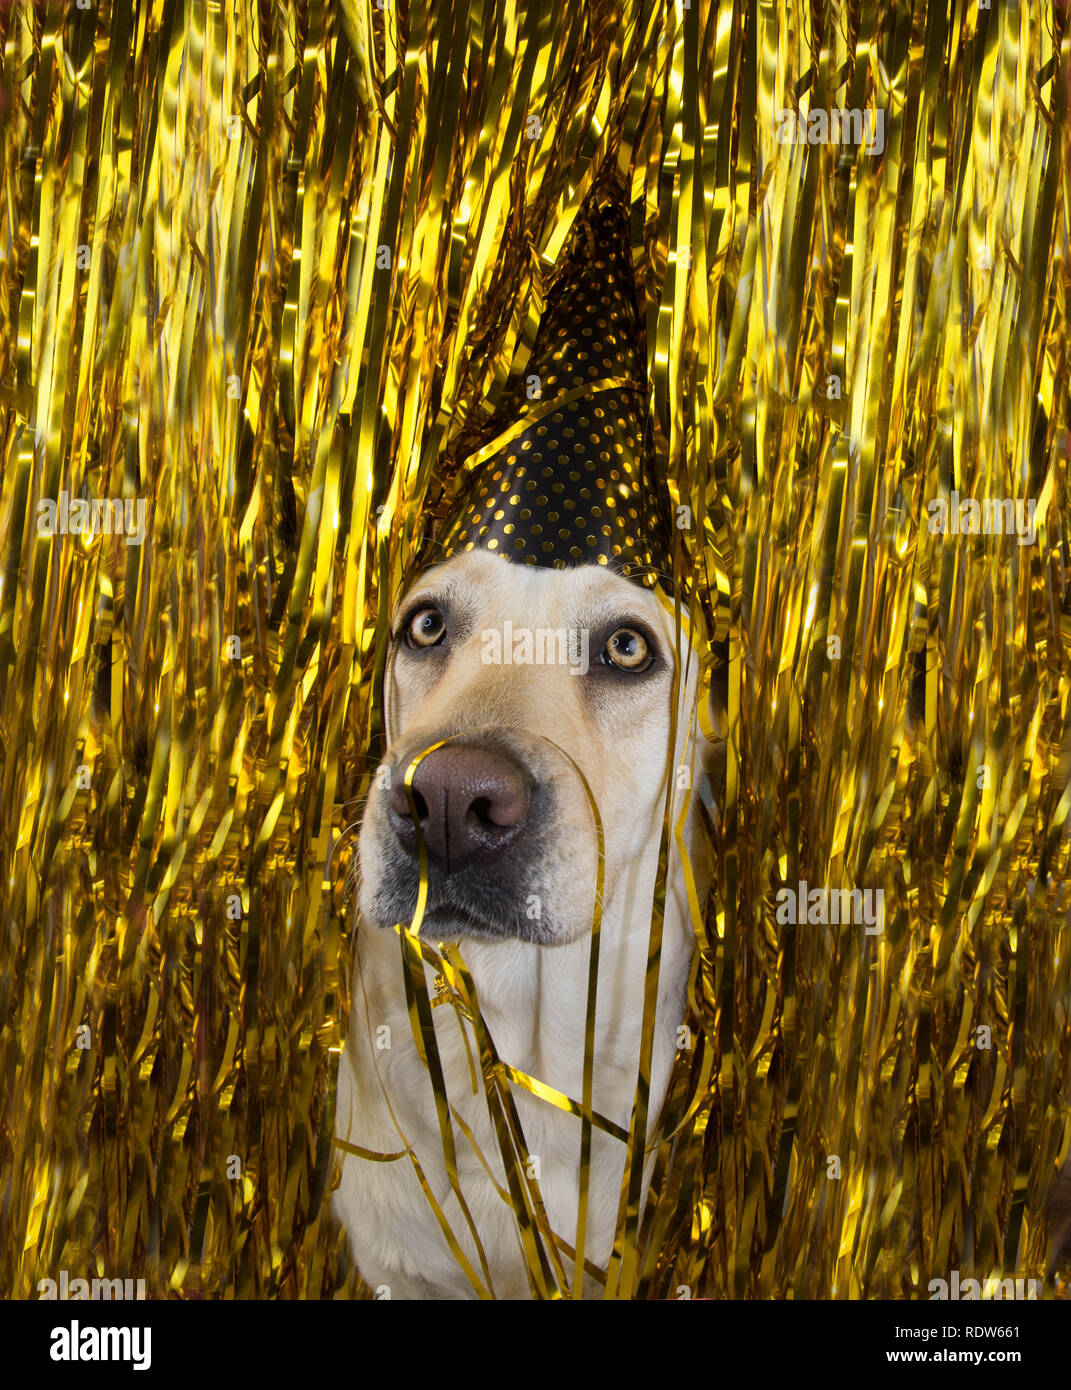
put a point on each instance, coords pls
(471, 803)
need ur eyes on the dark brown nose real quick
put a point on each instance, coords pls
(471, 803)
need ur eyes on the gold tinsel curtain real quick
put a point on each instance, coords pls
(265, 268)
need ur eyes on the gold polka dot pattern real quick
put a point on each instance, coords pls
(573, 487)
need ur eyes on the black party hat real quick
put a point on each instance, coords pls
(566, 477)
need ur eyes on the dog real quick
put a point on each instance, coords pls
(512, 860)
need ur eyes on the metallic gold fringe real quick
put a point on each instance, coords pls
(267, 268)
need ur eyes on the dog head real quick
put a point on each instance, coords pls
(525, 683)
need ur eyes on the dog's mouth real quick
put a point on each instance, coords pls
(482, 823)
(445, 918)
(449, 923)
(504, 849)
(492, 902)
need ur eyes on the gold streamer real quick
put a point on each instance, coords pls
(267, 271)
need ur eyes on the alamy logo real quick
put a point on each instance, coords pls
(988, 516)
(836, 127)
(967, 1289)
(107, 1289)
(76, 1343)
(92, 517)
(541, 646)
(863, 907)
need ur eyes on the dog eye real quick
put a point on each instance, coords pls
(426, 628)
(627, 649)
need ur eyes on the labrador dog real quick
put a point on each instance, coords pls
(476, 664)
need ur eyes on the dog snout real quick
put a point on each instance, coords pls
(471, 803)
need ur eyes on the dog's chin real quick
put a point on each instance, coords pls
(450, 922)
